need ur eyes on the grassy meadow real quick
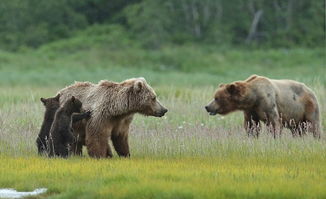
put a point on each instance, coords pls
(185, 154)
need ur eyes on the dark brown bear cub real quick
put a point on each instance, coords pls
(51, 106)
(61, 130)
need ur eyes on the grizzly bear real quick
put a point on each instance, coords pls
(113, 106)
(278, 103)
(61, 130)
(51, 106)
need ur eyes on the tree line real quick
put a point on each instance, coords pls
(267, 23)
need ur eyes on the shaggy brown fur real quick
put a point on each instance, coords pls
(113, 106)
(61, 130)
(51, 106)
(278, 103)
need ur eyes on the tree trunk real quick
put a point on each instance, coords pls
(253, 27)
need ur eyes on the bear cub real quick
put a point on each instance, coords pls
(51, 106)
(61, 135)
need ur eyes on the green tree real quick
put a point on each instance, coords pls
(32, 22)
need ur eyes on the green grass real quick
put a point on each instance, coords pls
(169, 178)
(170, 66)
(186, 154)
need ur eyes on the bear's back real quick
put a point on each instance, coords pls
(79, 90)
(293, 98)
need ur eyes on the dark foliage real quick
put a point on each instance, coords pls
(270, 23)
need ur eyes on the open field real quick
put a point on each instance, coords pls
(217, 177)
(55, 65)
(186, 154)
(184, 49)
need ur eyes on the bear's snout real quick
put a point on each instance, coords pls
(206, 107)
(211, 110)
(162, 112)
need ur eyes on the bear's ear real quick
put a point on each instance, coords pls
(57, 97)
(236, 89)
(220, 85)
(142, 79)
(233, 89)
(43, 100)
(138, 86)
(252, 77)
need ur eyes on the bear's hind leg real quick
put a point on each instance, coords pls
(77, 148)
(298, 129)
(314, 128)
(51, 148)
(41, 145)
(61, 150)
(109, 152)
(79, 133)
(296, 132)
(314, 125)
(313, 117)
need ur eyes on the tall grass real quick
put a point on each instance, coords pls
(186, 131)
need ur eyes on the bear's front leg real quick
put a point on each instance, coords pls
(120, 143)
(251, 123)
(98, 148)
(80, 116)
(274, 123)
(97, 140)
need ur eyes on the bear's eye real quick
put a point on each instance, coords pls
(153, 98)
(216, 99)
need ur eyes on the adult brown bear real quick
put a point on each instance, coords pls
(113, 106)
(278, 103)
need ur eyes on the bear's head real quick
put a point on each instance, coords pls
(144, 99)
(73, 105)
(52, 103)
(227, 98)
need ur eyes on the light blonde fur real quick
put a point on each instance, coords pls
(113, 106)
(278, 103)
